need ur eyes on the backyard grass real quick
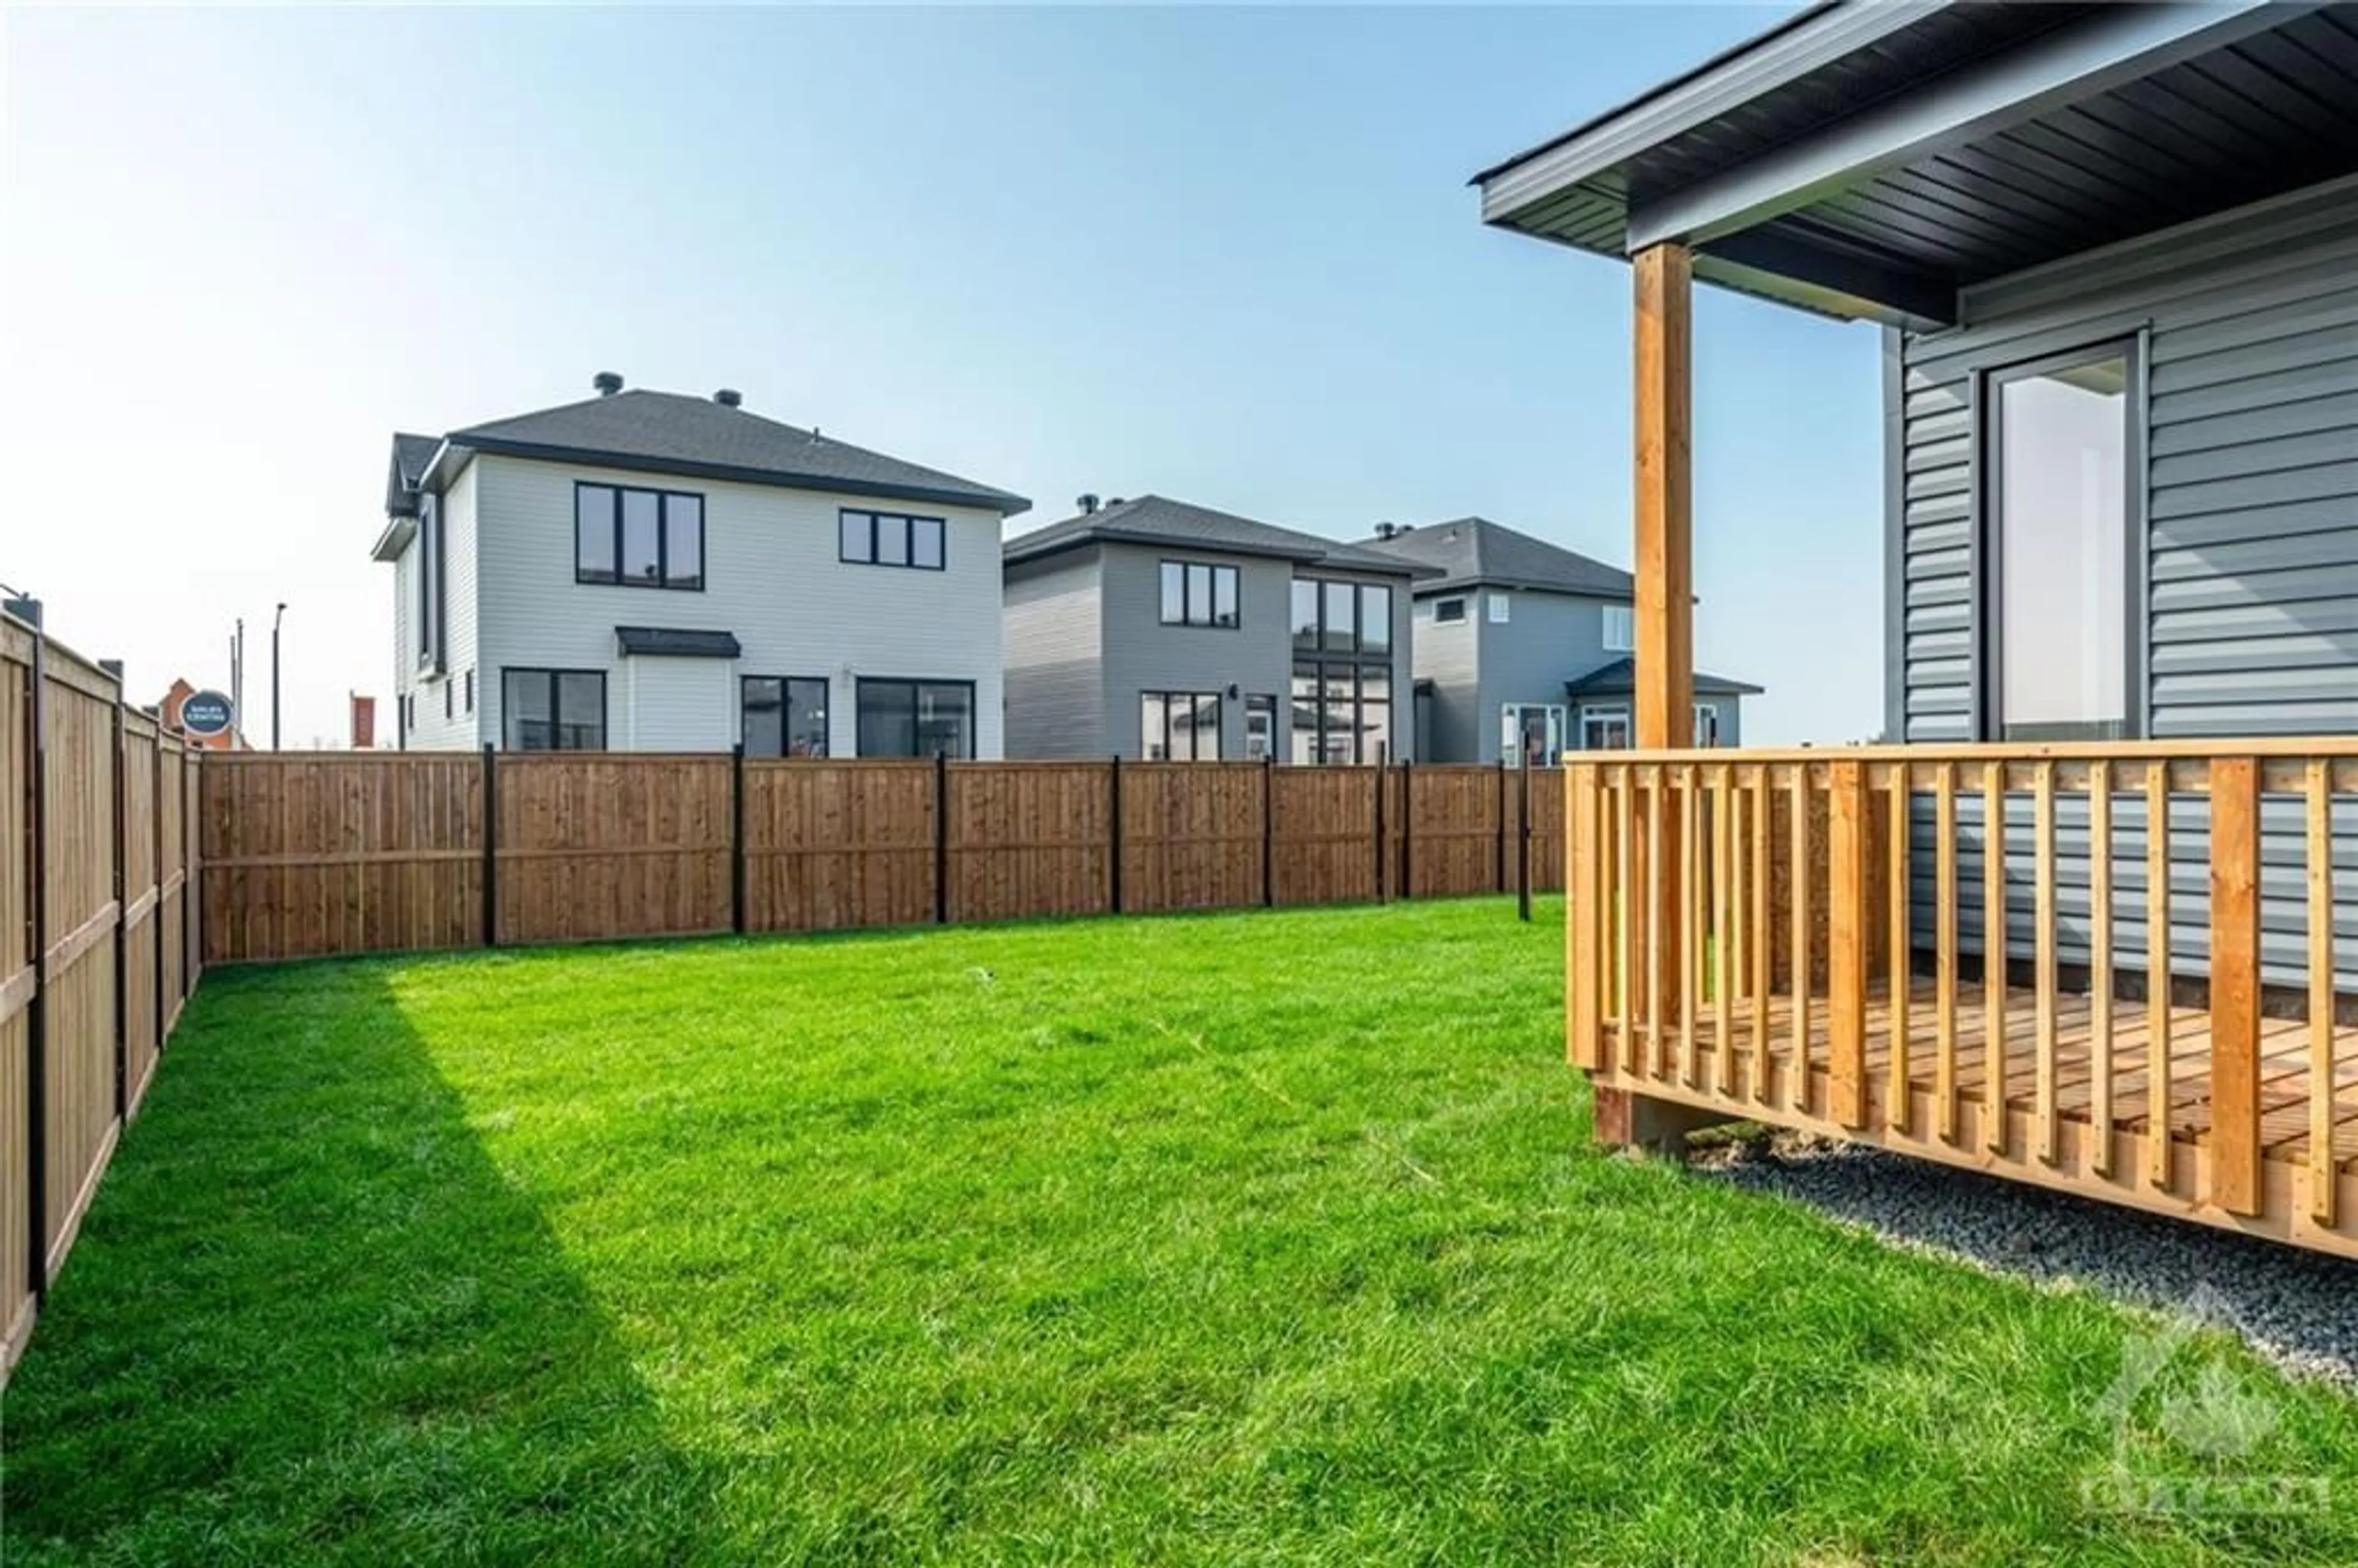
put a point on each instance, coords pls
(1266, 1238)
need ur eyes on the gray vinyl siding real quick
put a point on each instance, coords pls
(1054, 640)
(1449, 655)
(1549, 638)
(2250, 624)
(1142, 655)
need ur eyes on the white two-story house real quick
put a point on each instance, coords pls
(647, 572)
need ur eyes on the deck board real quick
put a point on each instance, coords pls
(2285, 1074)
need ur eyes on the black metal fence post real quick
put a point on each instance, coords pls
(1269, 832)
(1381, 848)
(490, 878)
(941, 838)
(1502, 822)
(156, 828)
(1113, 833)
(122, 931)
(736, 837)
(192, 903)
(37, 1016)
(1407, 828)
(1523, 843)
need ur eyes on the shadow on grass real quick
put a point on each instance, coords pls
(308, 1320)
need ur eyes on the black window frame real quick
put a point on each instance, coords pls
(433, 585)
(663, 578)
(1216, 573)
(1325, 709)
(1219, 724)
(862, 685)
(876, 521)
(1988, 587)
(556, 721)
(786, 685)
(1455, 601)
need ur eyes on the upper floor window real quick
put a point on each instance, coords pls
(2058, 564)
(1332, 617)
(1448, 611)
(1499, 608)
(637, 538)
(891, 539)
(433, 600)
(1197, 594)
(1620, 629)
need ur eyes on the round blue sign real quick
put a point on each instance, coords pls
(204, 713)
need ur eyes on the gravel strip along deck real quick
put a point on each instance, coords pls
(2298, 1309)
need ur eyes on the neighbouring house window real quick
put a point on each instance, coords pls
(784, 716)
(915, 718)
(470, 691)
(1197, 593)
(433, 558)
(1341, 696)
(1532, 729)
(552, 710)
(1605, 726)
(450, 701)
(1707, 724)
(2059, 562)
(891, 539)
(1620, 629)
(1179, 726)
(637, 538)
(1261, 727)
(1448, 611)
(1497, 604)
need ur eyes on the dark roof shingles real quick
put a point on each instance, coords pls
(1621, 676)
(1158, 520)
(1474, 550)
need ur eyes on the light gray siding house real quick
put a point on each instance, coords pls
(2114, 252)
(647, 572)
(1522, 647)
(1156, 630)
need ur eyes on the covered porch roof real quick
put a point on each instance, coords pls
(1871, 160)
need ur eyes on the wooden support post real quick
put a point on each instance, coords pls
(156, 828)
(2318, 788)
(736, 837)
(2234, 986)
(1407, 828)
(1268, 832)
(490, 878)
(1113, 833)
(122, 931)
(1846, 938)
(1382, 777)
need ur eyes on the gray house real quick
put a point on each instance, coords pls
(1523, 647)
(1159, 631)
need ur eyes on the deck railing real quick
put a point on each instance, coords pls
(1800, 935)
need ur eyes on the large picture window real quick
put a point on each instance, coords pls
(1179, 726)
(2058, 573)
(1342, 693)
(552, 710)
(637, 538)
(916, 718)
(784, 716)
(1197, 593)
(891, 539)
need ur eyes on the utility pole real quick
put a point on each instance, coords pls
(275, 620)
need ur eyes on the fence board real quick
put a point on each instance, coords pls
(15, 995)
(611, 846)
(1454, 824)
(312, 854)
(1032, 839)
(837, 845)
(1191, 836)
(1323, 820)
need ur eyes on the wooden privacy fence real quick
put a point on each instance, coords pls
(309, 854)
(97, 947)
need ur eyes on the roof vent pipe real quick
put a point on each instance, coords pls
(729, 397)
(1087, 501)
(1387, 530)
(607, 382)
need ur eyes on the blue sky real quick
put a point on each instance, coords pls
(1226, 256)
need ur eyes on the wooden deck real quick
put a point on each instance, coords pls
(1738, 920)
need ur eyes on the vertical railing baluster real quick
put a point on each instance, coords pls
(1633, 912)
(1723, 889)
(2099, 967)
(1691, 926)
(2158, 1175)
(1944, 920)
(1758, 942)
(2042, 861)
(1798, 883)
(1994, 1085)
(1900, 1090)
(2321, 1066)
(1584, 954)
(2235, 1142)
(1846, 942)
(1658, 1057)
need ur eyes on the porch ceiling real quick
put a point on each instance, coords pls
(1871, 159)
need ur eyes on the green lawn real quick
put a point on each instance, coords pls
(1267, 1238)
